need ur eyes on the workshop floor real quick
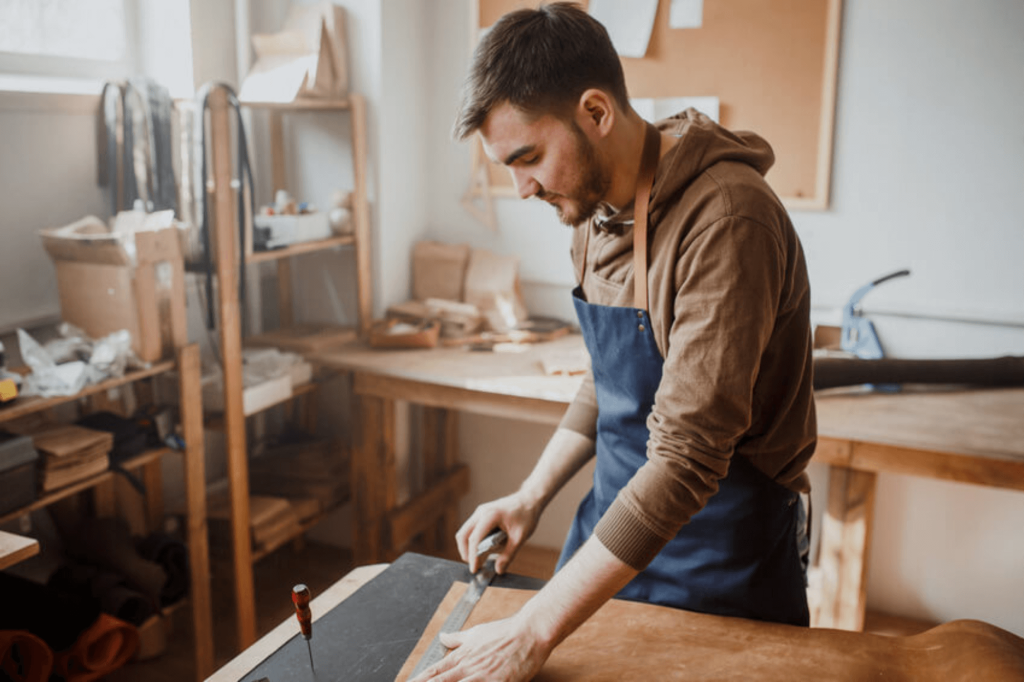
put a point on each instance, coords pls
(317, 565)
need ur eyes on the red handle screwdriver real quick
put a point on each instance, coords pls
(300, 597)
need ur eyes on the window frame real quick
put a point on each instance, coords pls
(50, 73)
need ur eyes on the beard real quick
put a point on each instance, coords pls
(581, 202)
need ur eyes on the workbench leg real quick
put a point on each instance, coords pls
(195, 497)
(845, 541)
(440, 455)
(374, 485)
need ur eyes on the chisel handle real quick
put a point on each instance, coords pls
(300, 597)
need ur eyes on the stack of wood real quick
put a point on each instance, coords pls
(272, 521)
(312, 474)
(68, 453)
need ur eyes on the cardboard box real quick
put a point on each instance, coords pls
(129, 277)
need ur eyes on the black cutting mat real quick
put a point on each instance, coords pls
(368, 636)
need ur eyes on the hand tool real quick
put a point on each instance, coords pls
(457, 618)
(493, 541)
(300, 597)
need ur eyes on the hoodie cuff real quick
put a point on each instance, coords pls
(627, 537)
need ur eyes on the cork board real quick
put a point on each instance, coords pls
(772, 65)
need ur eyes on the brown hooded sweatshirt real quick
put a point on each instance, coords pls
(729, 304)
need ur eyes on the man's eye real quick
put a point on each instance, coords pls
(529, 160)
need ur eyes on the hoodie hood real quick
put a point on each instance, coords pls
(702, 144)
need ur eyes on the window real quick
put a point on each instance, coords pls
(83, 39)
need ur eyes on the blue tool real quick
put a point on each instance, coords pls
(859, 335)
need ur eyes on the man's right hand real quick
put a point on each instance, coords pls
(512, 514)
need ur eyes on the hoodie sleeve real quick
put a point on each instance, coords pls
(728, 284)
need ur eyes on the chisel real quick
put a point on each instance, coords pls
(300, 597)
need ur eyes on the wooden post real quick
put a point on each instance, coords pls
(361, 213)
(374, 489)
(195, 497)
(231, 354)
(280, 180)
(845, 535)
(152, 478)
(103, 499)
(440, 457)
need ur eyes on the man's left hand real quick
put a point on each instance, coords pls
(503, 651)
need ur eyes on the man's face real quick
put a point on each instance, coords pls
(549, 158)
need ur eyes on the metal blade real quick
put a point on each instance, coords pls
(457, 618)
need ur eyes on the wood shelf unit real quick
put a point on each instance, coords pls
(187, 366)
(139, 461)
(223, 202)
(29, 405)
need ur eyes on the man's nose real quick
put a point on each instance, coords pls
(526, 185)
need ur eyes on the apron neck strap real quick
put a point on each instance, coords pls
(648, 164)
(641, 203)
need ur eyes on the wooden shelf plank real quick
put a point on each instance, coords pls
(215, 422)
(302, 105)
(25, 406)
(86, 483)
(301, 248)
(16, 548)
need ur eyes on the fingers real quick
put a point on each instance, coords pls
(450, 640)
(478, 533)
(503, 560)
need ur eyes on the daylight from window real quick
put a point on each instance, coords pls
(85, 29)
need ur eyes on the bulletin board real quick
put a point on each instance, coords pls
(773, 66)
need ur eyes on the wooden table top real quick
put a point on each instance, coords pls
(701, 646)
(241, 664)
(15, 548)
(985, 422)
(962, 421)
(518, 374)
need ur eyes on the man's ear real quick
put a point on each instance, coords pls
(596, 112)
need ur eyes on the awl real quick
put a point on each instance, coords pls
(300, 597)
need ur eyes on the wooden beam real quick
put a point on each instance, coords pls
(424, 511)
(845, 534)
(231, 352)
(535, 410)
(361, 214)
(374, 485)
(152, 478)
(195, 499)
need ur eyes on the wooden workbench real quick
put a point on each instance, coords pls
(971, 436)
(444, 381)
(377, 617)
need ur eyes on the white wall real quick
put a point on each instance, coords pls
(928, 175)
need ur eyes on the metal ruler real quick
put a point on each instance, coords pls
(457, 618)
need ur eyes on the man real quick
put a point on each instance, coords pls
(694, 305)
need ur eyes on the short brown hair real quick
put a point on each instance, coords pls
(540, 61)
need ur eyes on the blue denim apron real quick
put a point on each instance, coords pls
(737, 556)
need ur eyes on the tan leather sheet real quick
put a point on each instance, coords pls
(627, 641)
